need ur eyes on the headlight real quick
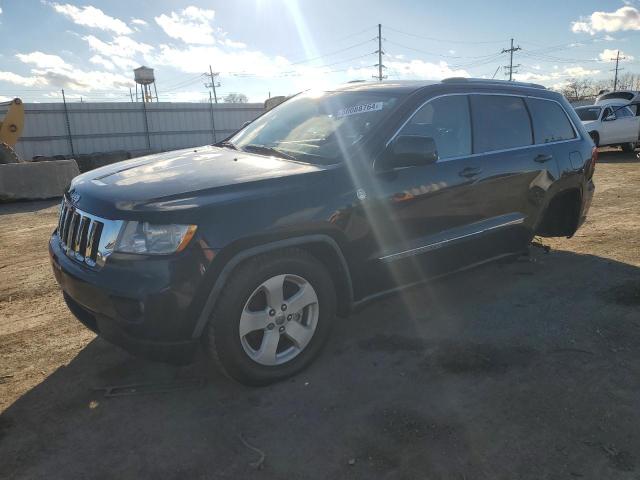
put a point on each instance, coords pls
(151, 239)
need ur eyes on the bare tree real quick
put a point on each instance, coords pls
(577, 89)
(236, 98)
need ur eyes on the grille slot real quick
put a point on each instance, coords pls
(79, 234)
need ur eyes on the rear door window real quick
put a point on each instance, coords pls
(499, 122)
(550, 122)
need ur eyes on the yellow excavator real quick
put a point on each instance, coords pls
(11, 127)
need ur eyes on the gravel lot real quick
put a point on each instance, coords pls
(529, 369)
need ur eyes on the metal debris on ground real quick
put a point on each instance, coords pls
(258, 464)
(149, 388)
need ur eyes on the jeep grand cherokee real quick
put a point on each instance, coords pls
(251, 247)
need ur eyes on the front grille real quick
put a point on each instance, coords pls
(85, 237)
(79, 234)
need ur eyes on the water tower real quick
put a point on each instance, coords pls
(144, 77)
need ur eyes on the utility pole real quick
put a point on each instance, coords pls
(511, 66)
(213, 83)
(380, 66)
(617, 59)
(131, 94)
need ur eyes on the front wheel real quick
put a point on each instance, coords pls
(628, 147)
(272, 317)
(595, 137)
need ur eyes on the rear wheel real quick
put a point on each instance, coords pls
(272, 318)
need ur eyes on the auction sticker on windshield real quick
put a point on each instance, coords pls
(365, 108)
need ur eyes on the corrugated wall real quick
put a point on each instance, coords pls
(105, 127)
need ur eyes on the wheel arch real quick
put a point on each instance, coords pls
(561, 217)
(322, 246)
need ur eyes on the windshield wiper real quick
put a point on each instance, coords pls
(227, 144)
(252, 147)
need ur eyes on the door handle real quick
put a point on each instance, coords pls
(543, 158)
(469, 172)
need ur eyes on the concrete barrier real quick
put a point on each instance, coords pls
(36, 181)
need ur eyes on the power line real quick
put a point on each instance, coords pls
(437, 54)
(332, 53)
(442, 39)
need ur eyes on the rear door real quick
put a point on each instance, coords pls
(515, 171)
(628, 124)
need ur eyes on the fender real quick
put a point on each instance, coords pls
(267, 247)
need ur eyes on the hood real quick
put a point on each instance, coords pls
(167, 178)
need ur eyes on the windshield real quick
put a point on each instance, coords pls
(316, 127)
(587, 114)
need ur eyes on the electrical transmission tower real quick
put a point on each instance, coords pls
(615, 79)
(509, 68)
(212, 76)
(380, 53)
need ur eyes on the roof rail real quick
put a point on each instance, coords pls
(492, 82)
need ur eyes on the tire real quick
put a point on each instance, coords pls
(595, 136)
(245, 303)
(7, 154)
(628, 147)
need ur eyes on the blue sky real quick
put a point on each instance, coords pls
(89, 48)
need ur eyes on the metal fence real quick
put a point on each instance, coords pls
(77, 128)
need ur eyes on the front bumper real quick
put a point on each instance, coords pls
(145, 305)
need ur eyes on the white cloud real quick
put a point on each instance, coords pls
(84, 81)
(53, 71)
(92, 17)
(192, 25)
(609, 54)
(120, 46)
(230, 43)
(426, 70)
(98, 60)
(20, 80)
(545, 78)
(42, 60)
(625, 18)
(579, 72)
(195, 59)
(139, 21)
(118, 53)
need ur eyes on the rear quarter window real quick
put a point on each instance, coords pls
(550, 122)
(499, 122)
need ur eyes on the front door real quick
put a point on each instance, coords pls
(412, 211)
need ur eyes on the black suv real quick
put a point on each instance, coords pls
(331, 199)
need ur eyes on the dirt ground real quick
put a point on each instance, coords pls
(528, 370)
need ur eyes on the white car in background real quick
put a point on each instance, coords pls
(622, 96)
(611, 123)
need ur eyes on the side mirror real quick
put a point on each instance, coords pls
(610, 117)
(412, 151)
